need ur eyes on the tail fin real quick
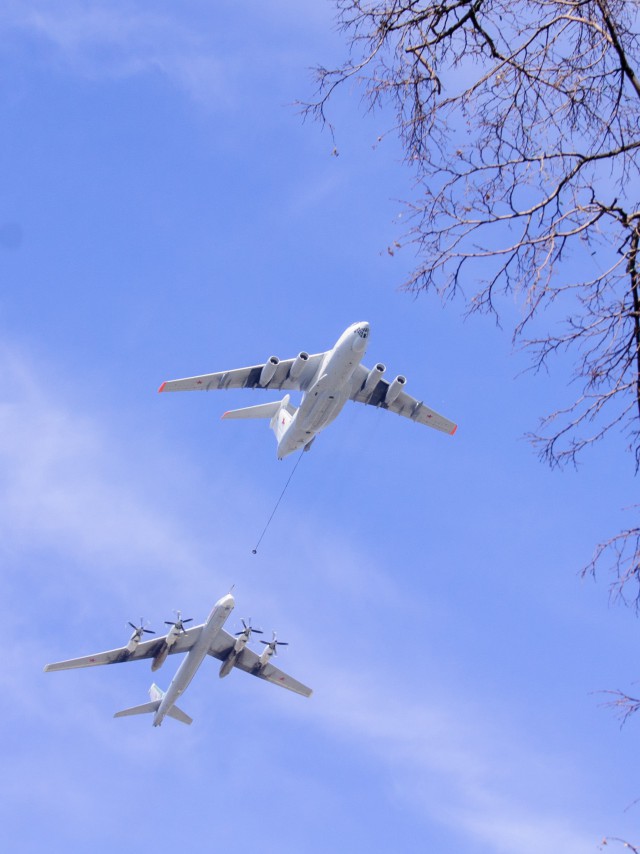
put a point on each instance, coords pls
(282, 417)
(179, 715)
(156, 695)
(145, 708)
(280, 412)
(263, 410)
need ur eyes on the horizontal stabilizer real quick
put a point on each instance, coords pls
(179, 715)
(144, 709)
(262, 410)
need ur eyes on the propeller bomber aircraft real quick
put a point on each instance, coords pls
(210, 638)
(327, 381)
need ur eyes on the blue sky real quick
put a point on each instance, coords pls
(165, 212)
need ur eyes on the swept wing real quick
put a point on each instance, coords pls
(146, 649)
(404, 404)
(249, 661)
(250, 378)
(220, 648)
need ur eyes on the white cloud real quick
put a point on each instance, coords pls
(199, 48)
(116, 40)
(66, 486)
(451, 764)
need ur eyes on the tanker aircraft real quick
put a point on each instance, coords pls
(198, 642)
(327, 381)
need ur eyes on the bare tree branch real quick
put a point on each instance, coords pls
(521, 123)
(622, 842)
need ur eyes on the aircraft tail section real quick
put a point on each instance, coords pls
(179, 715)
(280, 413)
(282, 417)
(144, 709)
(157, 695)
(262, 410)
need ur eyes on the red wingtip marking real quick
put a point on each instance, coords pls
(162, 386)
(454, 430)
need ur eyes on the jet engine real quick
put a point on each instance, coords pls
(298, 364)
(394, 389)
(269, 370)
(373, 376)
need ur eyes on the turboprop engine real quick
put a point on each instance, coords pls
(269, 369)
(136, 637)
(298, 364)
(394, 389)
(271, 648)
(177, 629)
(242, 638)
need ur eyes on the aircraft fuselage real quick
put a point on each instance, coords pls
(329, 392)
(194, 658)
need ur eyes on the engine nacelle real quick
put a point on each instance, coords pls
(269, 369)
(227, 665)
(134, 640)
(266, 654)
(373, 376)
(160, 658)
(394, 389)
(298, 364)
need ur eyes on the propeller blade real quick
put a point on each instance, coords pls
(149, 631)
(190, 620)
(132, 626)
(257, 631)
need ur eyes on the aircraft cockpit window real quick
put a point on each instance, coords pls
(363, 333)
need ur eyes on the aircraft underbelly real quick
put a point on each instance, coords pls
(192, 660)
(322, 403)
(325, 407)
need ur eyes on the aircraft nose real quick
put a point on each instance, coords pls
(361, 337)
(227, 601)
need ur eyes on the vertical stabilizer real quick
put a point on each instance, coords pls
(283, 417)
(156, 693)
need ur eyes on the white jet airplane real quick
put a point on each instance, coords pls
(327, 381)
(198, 642)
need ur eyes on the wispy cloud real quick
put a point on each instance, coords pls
(66, 485)
(122, 40)
(200, 49)
(451, 764)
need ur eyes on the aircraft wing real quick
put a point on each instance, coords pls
(250, 378)
(249, 661)
(146, 649)
(404, 404)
